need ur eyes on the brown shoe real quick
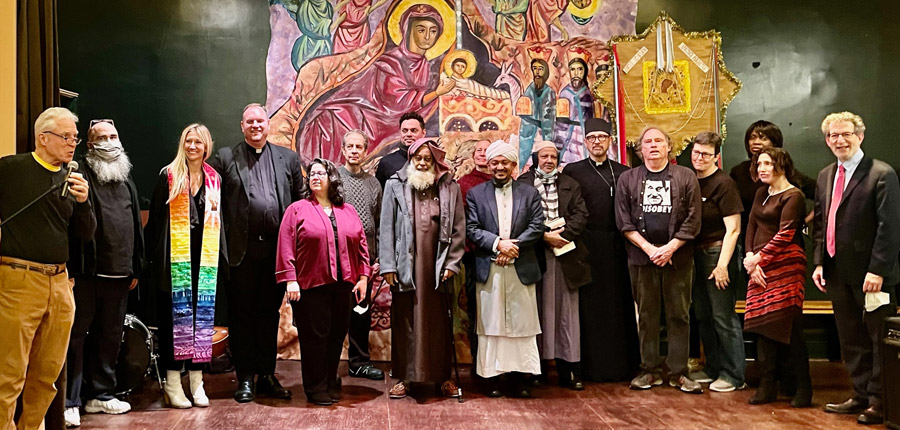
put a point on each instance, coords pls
(449, 389)
(399, 390)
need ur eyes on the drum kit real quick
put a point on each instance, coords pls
(138, 354)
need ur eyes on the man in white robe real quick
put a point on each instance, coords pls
(505, 221)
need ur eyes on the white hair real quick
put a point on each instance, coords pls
(47, 120)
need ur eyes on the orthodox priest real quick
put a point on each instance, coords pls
(505, 221)
(609, 344)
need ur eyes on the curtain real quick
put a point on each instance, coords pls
(37, 66)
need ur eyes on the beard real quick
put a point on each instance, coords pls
(577, 83)
(116, 170)
(418, 179)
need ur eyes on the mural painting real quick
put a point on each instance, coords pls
(517, 70)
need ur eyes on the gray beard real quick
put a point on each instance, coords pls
(419, 180)
(113, 171)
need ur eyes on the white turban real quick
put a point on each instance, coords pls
(502, 149)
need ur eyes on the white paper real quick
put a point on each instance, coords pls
(876, 300)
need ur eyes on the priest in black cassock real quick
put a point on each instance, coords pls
(609, 342)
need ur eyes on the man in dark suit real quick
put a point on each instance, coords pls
(504, 222)
(259, 181)
(857, 240)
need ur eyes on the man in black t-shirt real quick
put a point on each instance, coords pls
(412, 128)
(658, 211)
(713, 294)
(36, 304)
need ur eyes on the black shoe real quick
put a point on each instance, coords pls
(269, 385)
(766, 393)
(850, 406)
(523, 393)
(334, 390)
(245, 390)
(872, 415)
(321, 399)
(367, 371)
(803, 398)
(493, 393)
(574, 384)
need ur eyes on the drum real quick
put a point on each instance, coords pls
(135, 355)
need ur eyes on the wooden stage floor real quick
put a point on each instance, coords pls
(365, 405)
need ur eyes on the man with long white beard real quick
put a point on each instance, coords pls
(422, 240)
(104, 269)
(505, 221)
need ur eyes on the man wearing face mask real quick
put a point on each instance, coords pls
(105, 269)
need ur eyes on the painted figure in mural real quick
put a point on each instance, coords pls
(569, 127)
(543, 105)
(459, 66)
(401, 80)
(314, 19)
(510, 18)
(351, 26)
(541, 15)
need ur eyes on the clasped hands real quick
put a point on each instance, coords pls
(751, 263)
(507, 251)
(661, 255)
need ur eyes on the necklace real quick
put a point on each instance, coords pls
(612, 174)
(770, 193)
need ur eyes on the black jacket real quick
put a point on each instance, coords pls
(231, 163)
(83, 253)
(867, 235)
(571, 207)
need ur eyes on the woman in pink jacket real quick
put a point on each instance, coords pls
(323, 257)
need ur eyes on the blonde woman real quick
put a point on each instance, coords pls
(185, 243)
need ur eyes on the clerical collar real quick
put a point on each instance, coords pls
(255, 150)
(45, 164)
(600, 164)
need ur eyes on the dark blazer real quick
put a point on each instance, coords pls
(573, 209)
(867, 234)
(527, 226)
(231, 163)
(83, 253)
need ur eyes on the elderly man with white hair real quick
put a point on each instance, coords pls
(505, 221)
(36, 303)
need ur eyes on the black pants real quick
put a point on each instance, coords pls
(322, 317)
(100, 305)
(166, 339)
(358, 351)
(860, 335)
(772, 355)
(254, 300)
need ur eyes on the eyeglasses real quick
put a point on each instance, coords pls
(69, 140)
(597, 138)
(314, 174)
(98, 121)
(702, 155)
(834, 136)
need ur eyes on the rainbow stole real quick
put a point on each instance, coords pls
(193, 335)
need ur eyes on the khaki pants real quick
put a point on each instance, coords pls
(36, 314)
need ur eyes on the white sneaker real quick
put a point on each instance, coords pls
(73, 418)
(113, 406)
(722, 386)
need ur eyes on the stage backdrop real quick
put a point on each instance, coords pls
(470, 72)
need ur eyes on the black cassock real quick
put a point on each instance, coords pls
(609, 342)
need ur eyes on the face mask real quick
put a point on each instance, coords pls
(108, 150)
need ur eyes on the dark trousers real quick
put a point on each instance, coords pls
(322, 317)
(360, 324)
(254, 300)
(100, 305)
(772, 355)
(165, 333)
(671, 285)
(859, 333)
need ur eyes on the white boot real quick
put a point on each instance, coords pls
(199, 396)
(174, 393)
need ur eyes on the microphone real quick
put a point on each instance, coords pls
(72, 166)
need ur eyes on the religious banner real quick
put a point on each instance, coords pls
(669, 78)
(516, 70)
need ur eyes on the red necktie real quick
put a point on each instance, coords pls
(832, 211)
